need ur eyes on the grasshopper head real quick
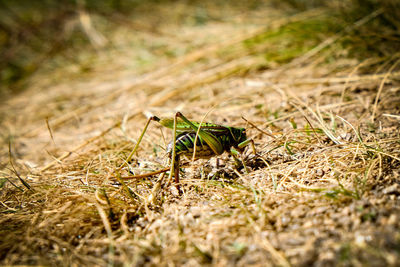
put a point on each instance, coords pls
(238, 135)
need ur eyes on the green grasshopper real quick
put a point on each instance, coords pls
(210, 139)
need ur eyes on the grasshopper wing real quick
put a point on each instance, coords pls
(182, 126)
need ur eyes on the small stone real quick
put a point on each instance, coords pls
(174, 191)
(360, 240)
(196, 212)
(299, 211)
(319, 172)
(308, 224)
(393, 189)
(346, 136)
(392, 219)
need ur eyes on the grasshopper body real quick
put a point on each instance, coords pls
(210, 139)
(228, 137)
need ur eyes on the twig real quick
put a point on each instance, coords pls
(49, 128)
(309, 123)
(15, 171)
(144, 175)
(261, 131)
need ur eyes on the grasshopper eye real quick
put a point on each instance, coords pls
(243, 136)
(238, 134)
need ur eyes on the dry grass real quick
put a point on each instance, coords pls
(327, 192)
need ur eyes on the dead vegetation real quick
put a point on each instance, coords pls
(325, 122)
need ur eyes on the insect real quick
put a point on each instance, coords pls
(199, 140)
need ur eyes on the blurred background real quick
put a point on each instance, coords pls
(84, 37)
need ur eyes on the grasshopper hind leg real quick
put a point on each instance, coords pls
(176, 174)
(175, 158)
(176, 169)
(153, 118)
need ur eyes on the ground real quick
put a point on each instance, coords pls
(323, 188)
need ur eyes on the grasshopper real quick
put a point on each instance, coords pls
(210, 139)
